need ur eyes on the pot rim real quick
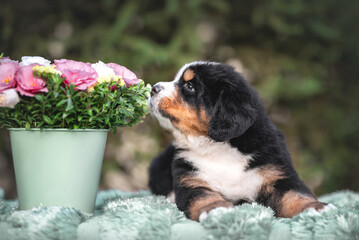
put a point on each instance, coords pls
(58, 130)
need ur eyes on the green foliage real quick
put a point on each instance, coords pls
(65, 107)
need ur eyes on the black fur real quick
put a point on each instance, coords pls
(184, 195)
(160, 170)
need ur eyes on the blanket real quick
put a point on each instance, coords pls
(141, 215)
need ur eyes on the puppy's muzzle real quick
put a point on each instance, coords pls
(156, 89)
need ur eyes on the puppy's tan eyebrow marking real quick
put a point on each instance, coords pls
(188, 75)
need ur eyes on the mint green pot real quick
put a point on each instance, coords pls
(58, 167)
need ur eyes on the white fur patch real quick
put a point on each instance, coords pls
(327, 208)
(216, 211)
(203, 216)
(171, 196)
(153, 102)
(222, 167)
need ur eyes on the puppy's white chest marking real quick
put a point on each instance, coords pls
(224, 169)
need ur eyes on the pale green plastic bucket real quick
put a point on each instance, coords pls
(58, 167)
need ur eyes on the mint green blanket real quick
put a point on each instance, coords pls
(140, 215)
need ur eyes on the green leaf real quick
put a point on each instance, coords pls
(62, 102)
(69, 106)
(47, 120)
(96, 109)
(27, 126)
(39, 98)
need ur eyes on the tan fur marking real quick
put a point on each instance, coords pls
(270, 175)
(186, 119)
(206, 204)
(188, 75)
(293, 203)
(193, 182)
(203, 204)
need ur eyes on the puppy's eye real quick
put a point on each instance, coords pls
(189, 86)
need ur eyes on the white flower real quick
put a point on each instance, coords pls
(9, 98)
(103, 70)
(28, 60)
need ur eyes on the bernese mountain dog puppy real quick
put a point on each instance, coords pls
(226, 151)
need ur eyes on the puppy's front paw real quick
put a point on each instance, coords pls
(293, 203)
(319, 206)
(204, 210)
(203, 216)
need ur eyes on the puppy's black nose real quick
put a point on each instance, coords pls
(156, 89)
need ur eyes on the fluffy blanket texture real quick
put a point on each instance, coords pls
(140, 215)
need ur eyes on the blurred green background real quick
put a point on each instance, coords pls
(302, 56)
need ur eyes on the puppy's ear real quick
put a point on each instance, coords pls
(232, 116)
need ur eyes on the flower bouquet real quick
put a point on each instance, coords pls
(58, 116)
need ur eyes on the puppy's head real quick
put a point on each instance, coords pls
(205, 99)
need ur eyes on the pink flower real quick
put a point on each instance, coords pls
(80, 74)
(27, 83)
(127, 76)
(6, 59)
(8, 69)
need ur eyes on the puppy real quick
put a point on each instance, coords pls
(226, 151)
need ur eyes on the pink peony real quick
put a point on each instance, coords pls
(127, 76)
(8, 69)
(27, 83)
(80, 74)
(6, 59)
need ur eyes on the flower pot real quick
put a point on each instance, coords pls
(57, 166)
